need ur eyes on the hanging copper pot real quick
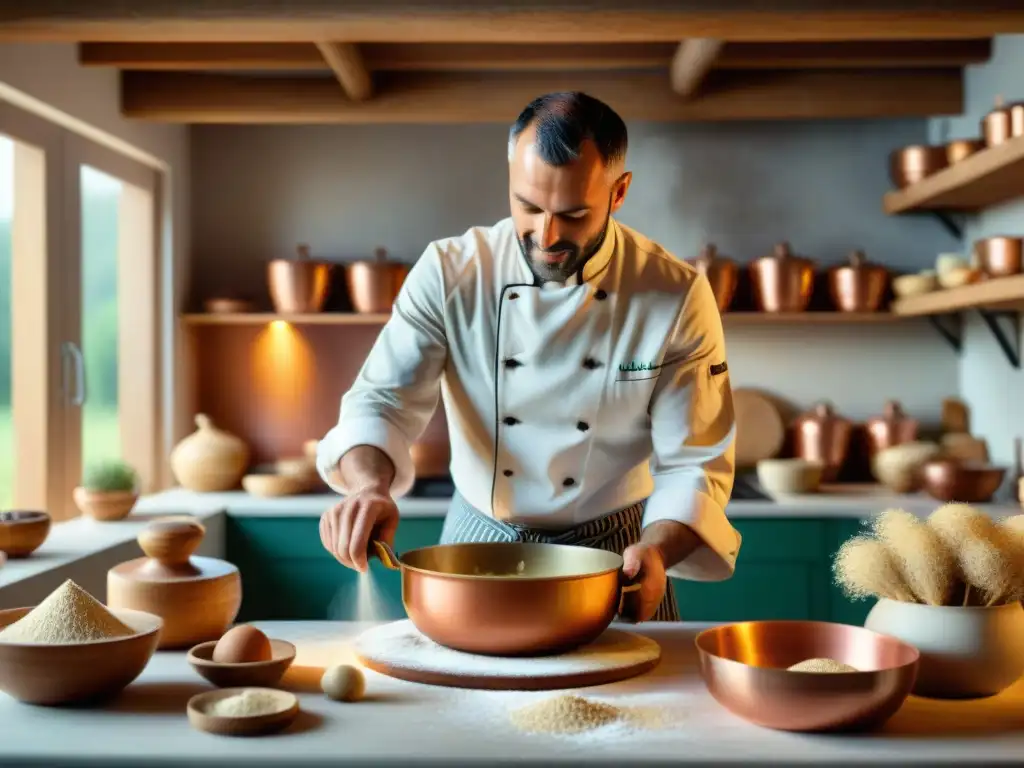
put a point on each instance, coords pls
(373, 286)
(858, 286)
(721, 272)
(893, 427)
(1003, 123)
(782, 282)
(299, 285)
(823, 436)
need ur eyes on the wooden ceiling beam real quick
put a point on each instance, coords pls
(692, 62)
(484, 98)
(482, 57)
(477, 21)
(347, 64)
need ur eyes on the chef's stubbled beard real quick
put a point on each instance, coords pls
(575, 261)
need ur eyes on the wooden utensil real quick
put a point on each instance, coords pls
(197, 597)
(760, 430)
(262, 674)
(254, 725)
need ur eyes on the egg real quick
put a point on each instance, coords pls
(242, 644)
(343, 683)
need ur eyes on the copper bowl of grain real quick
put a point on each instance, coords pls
(746, 668)
(967, 482)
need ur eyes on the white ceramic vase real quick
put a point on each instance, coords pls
(966, 653)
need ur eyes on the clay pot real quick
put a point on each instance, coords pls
(893, 427)
(782, 282)
(721, 272)
(373, 286)
(198, 598)
(209, 459)
(105, 506)
(300, 285)
(823, 437)
(858, 286)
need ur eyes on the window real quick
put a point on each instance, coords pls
(79, 313)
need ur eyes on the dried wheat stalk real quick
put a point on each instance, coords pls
(864, 567)
(927, 565)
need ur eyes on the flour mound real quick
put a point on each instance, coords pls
(68, 615)
(564, 714)
(822, 666)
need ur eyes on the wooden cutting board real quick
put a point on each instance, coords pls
(760, 430)
(399, 650)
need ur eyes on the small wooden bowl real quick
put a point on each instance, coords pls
(262, 674)
(254, 725)
(105, 506)
(23, 531)
(271, 485)
(37, 673)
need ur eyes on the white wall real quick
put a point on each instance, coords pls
(993, 389)
(259, 190)
(51, 74)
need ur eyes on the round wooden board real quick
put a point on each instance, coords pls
(399, 650)
(760, 431)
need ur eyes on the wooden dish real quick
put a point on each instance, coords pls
(906, 286)
(23, 531)
(254, 725)
(197, 597)
(272, 485)
(104, 506)
(262, 674)
(37, 673)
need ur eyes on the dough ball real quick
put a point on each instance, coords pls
(343, 683)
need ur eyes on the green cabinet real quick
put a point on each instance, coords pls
(784, 572)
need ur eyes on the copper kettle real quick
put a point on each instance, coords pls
(823, 436)
(858, 286)
(782, 282)
(893, 427)
(721, 272)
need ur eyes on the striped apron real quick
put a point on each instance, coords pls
(612, 533)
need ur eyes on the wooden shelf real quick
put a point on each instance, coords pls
(993, 175)
(345, 318)
(996, 294)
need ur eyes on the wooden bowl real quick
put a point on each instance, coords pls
(905, 286)
(745, 667)
(105, 506)
(272, 485)
(254, 725)
(262, 674)
(22, 532)
(966, 482)
(73, 673)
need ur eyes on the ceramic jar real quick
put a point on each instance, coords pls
(966, 653)
(209, 459)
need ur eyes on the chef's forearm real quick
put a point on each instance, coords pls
(673, 540)
(365, 468)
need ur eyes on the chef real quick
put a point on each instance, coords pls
(583, 373)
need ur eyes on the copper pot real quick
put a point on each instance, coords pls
(911, 164)
(374, 285)
(824, 437)
(960, 149)
(431, 459)
(510, 599)
(966, 482)
(782, 282)
(298, 286)
(1003, 123)
(999, 256)
(893, 427)
(721, 272)
(859, 286)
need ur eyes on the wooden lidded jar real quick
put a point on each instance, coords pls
(197, 597)
(209, 459)
(824, 437)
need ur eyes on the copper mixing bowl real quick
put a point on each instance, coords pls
(966, 482)
(745, 669)
(910, 165)
(1000, 256)
(473, 597)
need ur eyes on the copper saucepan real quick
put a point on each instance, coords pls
(511, 599)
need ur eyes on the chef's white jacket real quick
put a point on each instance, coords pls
(565, 402)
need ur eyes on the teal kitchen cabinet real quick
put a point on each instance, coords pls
(784, 572)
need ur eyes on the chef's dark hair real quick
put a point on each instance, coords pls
(565, 121)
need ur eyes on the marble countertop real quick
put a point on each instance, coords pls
(407, 724)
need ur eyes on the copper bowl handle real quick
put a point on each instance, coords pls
(385, 554)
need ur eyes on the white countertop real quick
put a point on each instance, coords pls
(409, 724)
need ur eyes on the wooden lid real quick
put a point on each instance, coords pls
(169, 544)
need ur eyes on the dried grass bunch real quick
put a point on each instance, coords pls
(958, 556)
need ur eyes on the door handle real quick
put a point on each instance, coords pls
(71, 354)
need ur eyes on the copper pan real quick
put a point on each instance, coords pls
(721, 272)
(858, 286)
(782, 282)
(966, 482)
(373, 286)
(745, 669)
(1003, 123)
(999, 256)
(961, 149)
(510, 599)
(298, 286)
(911, 164)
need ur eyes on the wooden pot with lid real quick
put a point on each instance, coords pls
(823, 436)
(197, 597)
(721, 272)
(209, 459)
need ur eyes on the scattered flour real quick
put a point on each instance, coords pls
(572, 714)
(248, 703)
(822, 666)
(400, 644)
(68, 615)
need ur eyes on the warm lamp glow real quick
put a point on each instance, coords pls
(282, 367)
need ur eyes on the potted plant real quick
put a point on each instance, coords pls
(951, 586)
(108, 491)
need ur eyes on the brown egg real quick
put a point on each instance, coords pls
(242, 644)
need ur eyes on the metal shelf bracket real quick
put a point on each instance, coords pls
(950, 327)
(951, 225)
(1008, 335)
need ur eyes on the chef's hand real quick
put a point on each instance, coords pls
(644, 560)
(346, 528)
